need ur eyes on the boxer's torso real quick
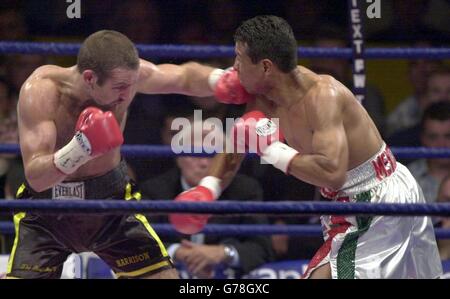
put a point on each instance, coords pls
(66, 109)
(362, 135)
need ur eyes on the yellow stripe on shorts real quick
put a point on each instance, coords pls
(147, 225)
(17, 218)
(20, 190)
(143, 219)
(143, 270)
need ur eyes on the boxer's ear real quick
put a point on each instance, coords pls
(89, 77)
(267, 65)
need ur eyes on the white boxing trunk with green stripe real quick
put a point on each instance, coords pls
(379, 246)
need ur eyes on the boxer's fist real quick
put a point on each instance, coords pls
(101, 129)
(227, 87)
(97, 132)
(187, 223)
(208, 190)
(254, 132)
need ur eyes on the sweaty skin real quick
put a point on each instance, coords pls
(318, 116)
(322, 120)
(52, 98)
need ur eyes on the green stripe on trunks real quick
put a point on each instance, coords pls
(347, 252)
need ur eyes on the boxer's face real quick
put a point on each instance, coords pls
(119, 87)
(251, 75)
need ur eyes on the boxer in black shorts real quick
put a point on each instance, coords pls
(70, 130)
(126, 243)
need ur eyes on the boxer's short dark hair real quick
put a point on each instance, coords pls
(269, 37)
(106, 50)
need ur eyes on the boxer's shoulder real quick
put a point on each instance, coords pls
(37, 86)
(39, 94)
(48, 71)
(146, 68)
(319, 90)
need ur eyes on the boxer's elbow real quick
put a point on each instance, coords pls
(334, 175)
(35, 180)
(35, 183)
(41, 177)
(335, 180)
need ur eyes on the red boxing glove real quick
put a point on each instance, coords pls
(208, 190)
(97, 132)
(227, 87)
(101, 129)
(254, 132)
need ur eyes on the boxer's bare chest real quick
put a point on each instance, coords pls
(294, 125)
(66, 117)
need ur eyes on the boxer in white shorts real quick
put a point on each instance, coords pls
(381, 246)
(333, 144)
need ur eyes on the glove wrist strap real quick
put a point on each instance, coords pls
(213, 184)
(279, 155)
(214, 76)
(73, 155)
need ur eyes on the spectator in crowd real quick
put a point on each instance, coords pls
(435, 132)
(437, 89)
(438, 86)
(8, 129)
(444, 196)
(8, 134)
(201, 254)
(408, 112)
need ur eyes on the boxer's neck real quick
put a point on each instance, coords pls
(287, 88)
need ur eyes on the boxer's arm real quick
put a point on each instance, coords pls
(190, 78)
(37, 133)
(327, 165)
(225, 165)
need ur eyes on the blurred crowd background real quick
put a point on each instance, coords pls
(409, 100)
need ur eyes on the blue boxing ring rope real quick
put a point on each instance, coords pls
(145, 150)
(224, 207)
(188, 51)
(241, 229)
(209, 51)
